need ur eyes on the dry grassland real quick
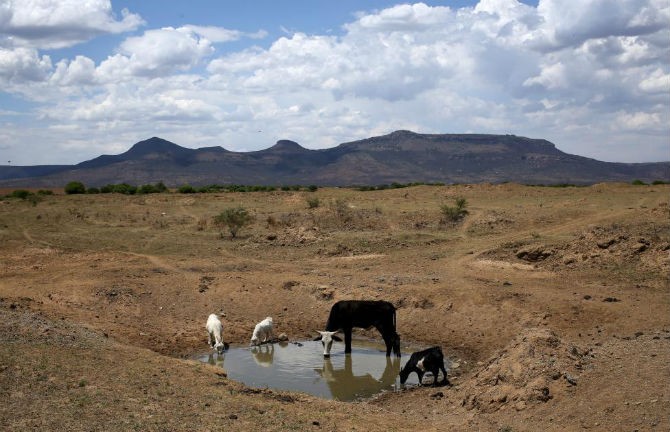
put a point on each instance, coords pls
(553, 303)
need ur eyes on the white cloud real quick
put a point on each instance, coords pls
(656, 82)
(588, 76)
(23, 65)
(155, 53)
(80, 71)
(61, 23)
(220, 34)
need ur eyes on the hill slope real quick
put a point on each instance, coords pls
(401, 156)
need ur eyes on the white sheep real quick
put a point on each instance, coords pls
(215, 332)
(262, 332)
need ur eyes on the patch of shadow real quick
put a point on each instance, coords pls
(270, 394)
(115, 293)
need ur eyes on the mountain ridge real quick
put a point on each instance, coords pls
(401, 156)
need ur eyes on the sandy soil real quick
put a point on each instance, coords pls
(553, 304)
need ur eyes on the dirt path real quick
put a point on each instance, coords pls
(158, 262)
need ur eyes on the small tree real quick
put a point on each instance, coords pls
(75, 187)
(186, 189)
(454, 214)
(20, 193)
(234, 218)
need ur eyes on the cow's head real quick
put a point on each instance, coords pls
(327, 338)
(220, 347)
(404, 373)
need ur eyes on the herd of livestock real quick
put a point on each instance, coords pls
(344, 316)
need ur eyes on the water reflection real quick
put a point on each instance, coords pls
(302, 367)
(263, 354)
(344, 385)
(215, 359)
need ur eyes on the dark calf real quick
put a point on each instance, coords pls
(430, 359)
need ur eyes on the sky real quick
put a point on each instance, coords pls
(80, 79)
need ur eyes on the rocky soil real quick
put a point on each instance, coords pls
(553, 305)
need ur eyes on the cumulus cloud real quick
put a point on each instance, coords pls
(23, 65)
(578, 73)
(61, 23)
(155, 53)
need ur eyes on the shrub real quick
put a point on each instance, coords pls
(149, 188)
(45, 192)
(658, 182)
(186, 189)
(20, 193)
(313, 202)
(638, 182)
(234, 218)
(456, 213)
(124, 188)
(93, 190)
(75, 187)
(341, 209)
(312, 188)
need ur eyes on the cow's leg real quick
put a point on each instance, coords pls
(420, 374)
(347, 340)
(445, 381)
(388, 339)
(436, 372)
(396, 344)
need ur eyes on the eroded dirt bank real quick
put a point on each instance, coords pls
(552, 302)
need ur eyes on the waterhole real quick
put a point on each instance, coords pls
(300, 366)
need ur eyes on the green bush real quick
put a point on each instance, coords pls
(313, 202)
(75, 187)
(186, 189)
(124, 188)
(658, 182)
(312, 188)
(93, 190)
(234, 218)
(152, 188)
(455, 213)
(45, 192)
(638, 182)
(20, 193)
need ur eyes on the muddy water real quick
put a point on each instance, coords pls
(302, 367)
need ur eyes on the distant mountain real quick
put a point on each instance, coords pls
(401, 156)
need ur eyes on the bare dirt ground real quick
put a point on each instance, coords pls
(553, 304)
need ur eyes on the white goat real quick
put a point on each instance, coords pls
(262, 332)
(215, 332)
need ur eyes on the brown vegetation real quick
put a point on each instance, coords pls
(551, 302)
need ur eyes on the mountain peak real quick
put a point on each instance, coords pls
(402, 133)
(153, 145)
(287, 146)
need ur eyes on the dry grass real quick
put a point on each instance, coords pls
(115, 284)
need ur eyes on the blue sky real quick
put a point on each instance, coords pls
(82, 79)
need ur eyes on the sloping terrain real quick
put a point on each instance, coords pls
(402, 157)
(552, 304)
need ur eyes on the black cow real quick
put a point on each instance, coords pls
(430, 359)
(347, 314)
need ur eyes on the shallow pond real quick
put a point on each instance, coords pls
(302, 367)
